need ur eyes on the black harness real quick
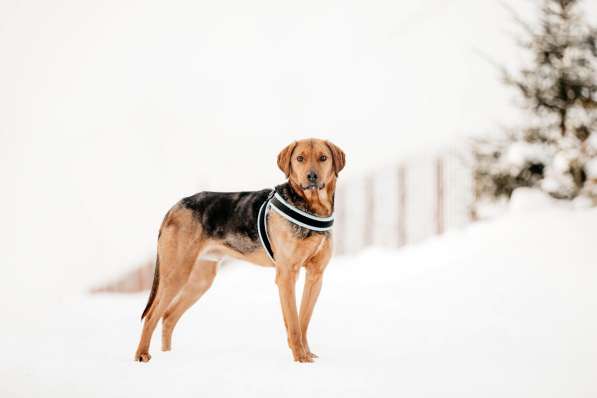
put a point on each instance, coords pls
(292, 214)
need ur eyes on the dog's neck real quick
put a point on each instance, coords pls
(319, 202)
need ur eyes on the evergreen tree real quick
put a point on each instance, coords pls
(556, 150)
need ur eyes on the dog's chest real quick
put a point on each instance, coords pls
(294, 239)
(301, 232)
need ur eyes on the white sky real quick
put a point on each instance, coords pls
(112, 110)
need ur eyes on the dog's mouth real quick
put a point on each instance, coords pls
(313, 186)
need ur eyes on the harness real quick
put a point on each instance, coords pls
(296, 216)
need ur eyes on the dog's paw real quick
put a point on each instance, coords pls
(308, 350)
(303, 357)
(142, 357)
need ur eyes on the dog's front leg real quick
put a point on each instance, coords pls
(313, 280)
(310, 294)
(286, 281)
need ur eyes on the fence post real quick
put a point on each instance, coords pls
(369, 211)
(439, 196)
(402, 236)
(340, 228)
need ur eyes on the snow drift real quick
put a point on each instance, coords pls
(507, 308)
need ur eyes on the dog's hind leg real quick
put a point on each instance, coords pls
(199, 282)
(178, 249)
(169, 287)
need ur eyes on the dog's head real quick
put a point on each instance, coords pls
(311, 164)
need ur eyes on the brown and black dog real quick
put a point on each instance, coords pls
(204, 228)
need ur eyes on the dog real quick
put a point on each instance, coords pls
(202, 229)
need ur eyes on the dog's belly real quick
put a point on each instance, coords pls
(212, 257)
(217, 251)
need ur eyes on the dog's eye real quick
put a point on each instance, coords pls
(300, 158)
(323, 158)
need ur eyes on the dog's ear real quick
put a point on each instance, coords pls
(338, 157)
(284, 158)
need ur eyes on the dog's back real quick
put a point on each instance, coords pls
(224, 214)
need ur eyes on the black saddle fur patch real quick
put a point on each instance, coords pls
(232, 216)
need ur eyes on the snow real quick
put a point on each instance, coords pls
(529, 199)
(591, 168)
(520, 154)
(592, 143)
(505, 308)
(561, 162)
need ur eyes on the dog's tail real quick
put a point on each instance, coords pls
(156, 272)
(154, 287)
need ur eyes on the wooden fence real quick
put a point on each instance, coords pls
(136, 280)
(404, 204)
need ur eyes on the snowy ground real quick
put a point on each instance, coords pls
(503, 309)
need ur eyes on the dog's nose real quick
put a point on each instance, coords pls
(312, 176)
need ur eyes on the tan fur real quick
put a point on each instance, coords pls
(184, 277)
